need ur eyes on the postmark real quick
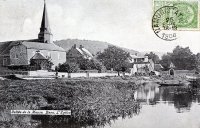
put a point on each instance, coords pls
(164, 23)
(172, 16)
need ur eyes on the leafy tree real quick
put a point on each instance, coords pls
(165, 61)
(83, 63)
(93, 64)
(183, 58)
(114, 57)
(197, 65)
(153, 56)
(68, 67)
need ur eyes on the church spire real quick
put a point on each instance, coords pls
(45, 34)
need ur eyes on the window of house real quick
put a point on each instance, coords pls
(4, 61)
(16, 56)
(135, 60)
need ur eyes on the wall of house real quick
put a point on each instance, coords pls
(18, 55)
(1, 61)
(56, 57)
(73, 53)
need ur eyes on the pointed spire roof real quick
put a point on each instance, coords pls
(45, 27)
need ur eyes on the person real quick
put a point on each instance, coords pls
(56, 72)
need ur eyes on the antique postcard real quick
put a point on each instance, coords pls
(99, 63)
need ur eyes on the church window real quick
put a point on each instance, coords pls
(59, 56)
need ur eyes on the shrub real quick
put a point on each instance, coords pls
(68, 67)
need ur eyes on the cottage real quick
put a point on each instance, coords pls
(76, 52)
(141, 64)
(19, 53)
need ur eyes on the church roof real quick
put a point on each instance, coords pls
(45, 27)
(6, 46)
(38, 56)
(42, 46)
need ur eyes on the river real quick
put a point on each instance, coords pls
(149, 106)
(163, 107)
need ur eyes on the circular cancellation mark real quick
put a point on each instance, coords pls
(164, 22)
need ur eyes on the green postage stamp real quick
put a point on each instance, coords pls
(170, 16)
(184, 15)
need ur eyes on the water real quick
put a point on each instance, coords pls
(164, 107)
(150, 106)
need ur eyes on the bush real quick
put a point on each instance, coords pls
(68, 67)
(93, 64)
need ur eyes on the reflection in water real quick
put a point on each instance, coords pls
(148, 101)
(180, 97)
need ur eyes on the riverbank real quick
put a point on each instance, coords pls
(93, 101)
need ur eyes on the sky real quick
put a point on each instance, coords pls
(125, 23)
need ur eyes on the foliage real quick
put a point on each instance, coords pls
(89, 64)
(68, 67)
(114, 57)
(165, 61)
(83, 97)
(182, 58)
(47, 64)
(198, 62)
(153, 56)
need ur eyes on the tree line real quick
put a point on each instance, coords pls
(119, 60)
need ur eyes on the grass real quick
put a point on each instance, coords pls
(93, 101)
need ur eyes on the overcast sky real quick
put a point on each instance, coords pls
(125, 23)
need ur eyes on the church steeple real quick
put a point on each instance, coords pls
(45, 34)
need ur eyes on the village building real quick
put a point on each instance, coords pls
(171, 69)
(19, 53)
(141, 64)
(158, 67)
(78, 52)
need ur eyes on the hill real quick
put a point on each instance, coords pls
(92, 46)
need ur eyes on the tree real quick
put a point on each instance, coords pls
(153, 56)
(95, 64)
(90, 64)
(68, 67)
(114, 57)
(165, 61)
(197, 65)
(183, 58)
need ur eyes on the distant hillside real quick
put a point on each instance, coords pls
(160, 54)
(92, 46)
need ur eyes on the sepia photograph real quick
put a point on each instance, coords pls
(99, 63)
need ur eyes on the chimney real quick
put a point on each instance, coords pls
(81, 46)
(74, 46)
(146, 58)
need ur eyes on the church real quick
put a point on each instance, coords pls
(21, 52)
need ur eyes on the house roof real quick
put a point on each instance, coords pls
(38, 56)
(84, 52)
(158, 66)
(135, 56)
